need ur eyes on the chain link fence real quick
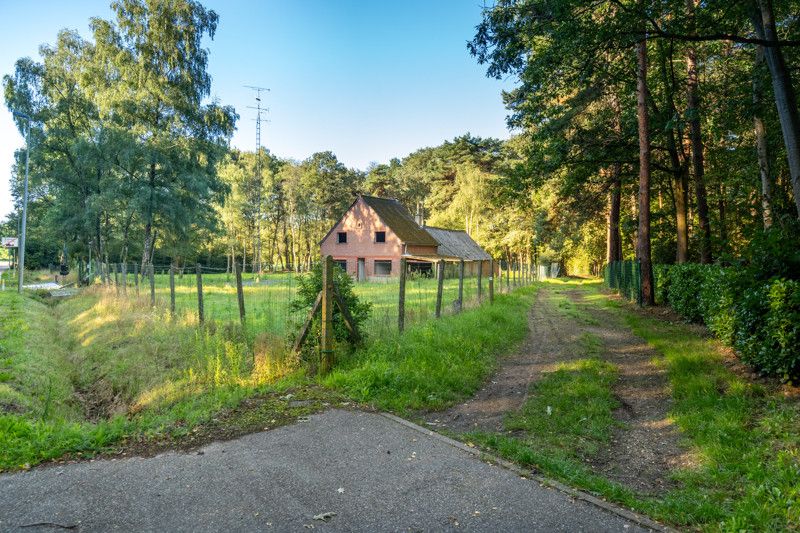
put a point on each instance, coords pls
(625, 277)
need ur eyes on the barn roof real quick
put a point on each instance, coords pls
(399, 219)
(457, 243)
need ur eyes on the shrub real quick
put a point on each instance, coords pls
(662, 280)
(717, 301)
(685, 284)
(309, 287)
(753, 305)
(770, 337)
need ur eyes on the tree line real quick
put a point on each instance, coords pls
(676, 120)
(665, 131)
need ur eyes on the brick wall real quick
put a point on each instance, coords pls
(360, 224)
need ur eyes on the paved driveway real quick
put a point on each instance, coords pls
(375, 473)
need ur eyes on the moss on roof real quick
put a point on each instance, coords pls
(399, 219)
(456, 243)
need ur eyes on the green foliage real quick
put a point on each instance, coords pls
(742, 438)
(754, 306)
(309, 286)
(570, 412)
(83, 374)
(436, 363)
(685, 282)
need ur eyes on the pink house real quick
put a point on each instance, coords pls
(374, 233)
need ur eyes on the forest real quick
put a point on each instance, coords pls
(665, 131)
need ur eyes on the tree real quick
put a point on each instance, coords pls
(151, 82)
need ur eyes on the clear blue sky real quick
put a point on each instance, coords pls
(369, 80)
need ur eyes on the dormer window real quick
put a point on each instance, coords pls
(380, 236)
(342, 237)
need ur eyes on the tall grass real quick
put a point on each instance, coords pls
(435, 363)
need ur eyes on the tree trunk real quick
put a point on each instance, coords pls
(682, 218)
(785, 98)
(148, 227)
(723, 228)
(677, 157)
(614, 248)
(696, 138)
(761, 140)
(643, 245)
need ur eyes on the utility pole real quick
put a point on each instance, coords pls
(257, 263)
(21, 256)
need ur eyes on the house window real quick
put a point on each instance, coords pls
(341, 263)
(383, 268)
(342, 237)
(380, 236)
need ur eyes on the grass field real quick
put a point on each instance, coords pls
(267, 299)
(87, 374)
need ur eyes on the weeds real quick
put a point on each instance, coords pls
(434, 364)
(744, 437)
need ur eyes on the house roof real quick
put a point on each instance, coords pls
(399, 219)
(455, 243)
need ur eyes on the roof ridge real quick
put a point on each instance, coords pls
(444, 229)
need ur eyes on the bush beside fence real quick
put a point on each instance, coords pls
(753, 307)
(759, 318)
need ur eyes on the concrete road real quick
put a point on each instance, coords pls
(373, 472)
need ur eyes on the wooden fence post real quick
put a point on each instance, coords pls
(460, 285)
(125, 278)
(200, 310)
(491, 281)
(152, 275)
(239, 291)
(116, 279)
(401, 302)
(172, 290)
(439, 286)
(480, 276)
(326, 343)
(136, 277)
(80, 272)
(508, 276)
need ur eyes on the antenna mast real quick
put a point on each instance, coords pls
(257, 265)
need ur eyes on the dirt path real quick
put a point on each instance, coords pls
(552, 340)
(644, 449)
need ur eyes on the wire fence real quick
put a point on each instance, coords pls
(200, 294)
(625, 277)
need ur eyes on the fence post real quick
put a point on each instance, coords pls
(508, 276)
(200, 313)
(239, 291)
(136, 277)
(172, 290)
(80, 272)
(491, 281)
(116, 279)
(460, 284)
(480, 277)
(439, 286)
(401, 302)
(152, 285)
(125, 278)
(326, 343)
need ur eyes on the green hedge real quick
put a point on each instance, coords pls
(759, 318)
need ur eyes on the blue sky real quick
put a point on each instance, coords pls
(369, 80)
